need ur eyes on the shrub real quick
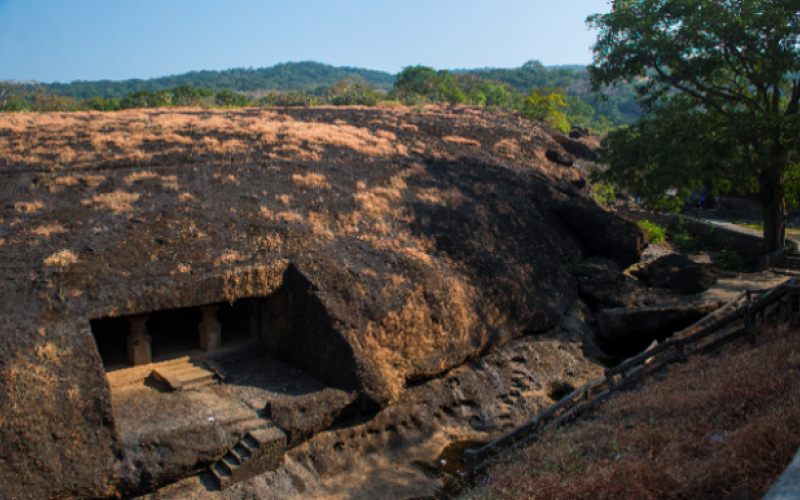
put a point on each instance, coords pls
(289, 99)
(352, 92)
(102, 104)
(572, 263)
(231, 99)
(683, 237)
(731, 260)
(604, 193)
(656, 232)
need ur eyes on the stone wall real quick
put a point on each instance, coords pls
(746, 244)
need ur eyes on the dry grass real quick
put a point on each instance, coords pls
(461, 140)
(709, 427)
(26, 207)
(49, 229)
(117, 201)
(62, 259)
(311, 180)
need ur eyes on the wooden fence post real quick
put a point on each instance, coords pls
(469, 455)
(748, 319)
(610, 380)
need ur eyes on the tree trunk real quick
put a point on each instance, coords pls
(771, 196)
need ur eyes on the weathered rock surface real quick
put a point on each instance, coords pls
(608, 234)
(692, 280)
(680, 273)
(604, 294)
(403, 244)
(576, 148)
(599, 268)
(623, 324)
(558, 155)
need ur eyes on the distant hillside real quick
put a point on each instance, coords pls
(305, 76)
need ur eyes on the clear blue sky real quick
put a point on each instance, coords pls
(65, 40)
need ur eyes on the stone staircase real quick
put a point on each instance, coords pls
(182, 373)
(259, 451)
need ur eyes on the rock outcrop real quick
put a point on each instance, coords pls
(680, 273)
(608, 234)
(641, 325)
(403, 244)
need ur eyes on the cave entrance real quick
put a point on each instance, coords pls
(196, 332)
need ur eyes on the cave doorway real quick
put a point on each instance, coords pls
(196, 332)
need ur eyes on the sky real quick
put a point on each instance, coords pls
(58, 40)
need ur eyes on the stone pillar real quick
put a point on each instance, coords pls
(139, 352)
(210, 329)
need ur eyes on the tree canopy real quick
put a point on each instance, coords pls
(718, 80)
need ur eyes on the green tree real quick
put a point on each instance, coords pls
(722, 104)
(547, 106)
(101, 104)
(350, 92)
(231, 99)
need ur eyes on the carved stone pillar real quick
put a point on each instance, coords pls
(139, 352)
(210, 329)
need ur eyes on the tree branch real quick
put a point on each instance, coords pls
(693, 93)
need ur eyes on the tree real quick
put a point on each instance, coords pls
(231, 99)
(720, 89)
(547, 106)
(349, 92)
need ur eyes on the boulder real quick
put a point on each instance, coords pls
(578, 132)
(604, 294)
(608, 234)
(679, 273)
(692, 280)
(576, 148)
(621, 325)
(560, 156)
(599, 268)
(662, 269)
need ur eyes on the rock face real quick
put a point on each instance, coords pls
(576, 148)
(599, 268)
(643, 324)
(399, 244)
(692, 280)
(560, 156)
(608, 234)
(679, 273)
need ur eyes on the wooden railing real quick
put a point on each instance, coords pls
(683, 344)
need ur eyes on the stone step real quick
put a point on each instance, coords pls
(258, 451)
(222, 475)
(183, 376)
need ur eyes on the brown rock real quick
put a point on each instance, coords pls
(692, 280)
(662, 269)
(624, 324)
(608, 234)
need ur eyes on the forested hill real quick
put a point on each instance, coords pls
(304, 76)
(307, 77)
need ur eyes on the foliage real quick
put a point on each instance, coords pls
(604, 193)
(301, 76)
(102, 104)
(230, 99)
(683, 237)
(722, 106)
(671, 204)
(547, 106)
(294, 98)
(146, 99)
(352, 92)
(572, 263)
(656, 232)
(731, 260)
